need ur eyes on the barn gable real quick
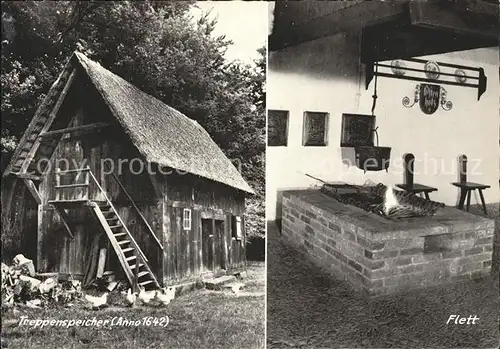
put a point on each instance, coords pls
(161, 228)
(161, 134)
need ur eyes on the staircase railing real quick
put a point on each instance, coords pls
(132, 240)
(60, 187)
(150, 230)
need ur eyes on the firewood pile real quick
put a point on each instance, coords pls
(22, 287)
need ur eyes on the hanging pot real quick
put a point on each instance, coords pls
(372, 158)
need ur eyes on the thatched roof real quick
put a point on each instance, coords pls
(162, 134)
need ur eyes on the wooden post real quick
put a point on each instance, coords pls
(227, 236)
(58, 183)
(244, 239)
(135, 286)
(409, 161)
(33, 190)
(101, 263)
(86, 189)
(212, 237)
(463, 168)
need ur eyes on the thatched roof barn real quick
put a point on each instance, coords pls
(158, 227)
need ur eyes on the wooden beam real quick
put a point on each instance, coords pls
(65, 219)
(289, 28)
(48, 123)
(82, 128)
(227, 236)
(476, 18)
(29, 176)
(212, 237)
(141, 216)
(33, 190)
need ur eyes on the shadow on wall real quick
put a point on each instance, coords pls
(336, 56)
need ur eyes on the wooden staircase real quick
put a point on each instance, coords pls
(132, 260)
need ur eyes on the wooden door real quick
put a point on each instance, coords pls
(207, 238)
(219, 245)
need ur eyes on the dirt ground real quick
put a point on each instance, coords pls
(307, 308)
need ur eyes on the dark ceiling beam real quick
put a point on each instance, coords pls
(292, 31)
(474, 23)
(469, 18)
(399, 39)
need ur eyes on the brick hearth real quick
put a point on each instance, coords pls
(379, 256)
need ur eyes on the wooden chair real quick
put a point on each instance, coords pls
(466, 188)
(409, 186)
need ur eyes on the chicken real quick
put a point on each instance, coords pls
(47, 285)
(97, 302)
(236, 287)
(76, 285)
(165, 295)
(131, 297)
(146, 296)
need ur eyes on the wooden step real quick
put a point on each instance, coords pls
(119, 234)
(135, 265)
(142, 273)
(73, 170)
(62, 186)
(144, 283)
(115, 226)
(128, 249)
(69, 203)
(218, 282)
(123, 242)
(131, 259)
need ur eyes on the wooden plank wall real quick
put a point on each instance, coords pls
(209, 246)
(19, 220)
(55, 250)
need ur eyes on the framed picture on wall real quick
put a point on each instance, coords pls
(315, 131)
(357, 130)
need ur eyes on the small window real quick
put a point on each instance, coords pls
(315, 129)
(277, 128)
(187, 219)
(236, 227)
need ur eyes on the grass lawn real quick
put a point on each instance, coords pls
(307, 308)
(198, 319)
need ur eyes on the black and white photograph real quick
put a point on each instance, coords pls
(382, 174)
(250, 174)
(133, 174)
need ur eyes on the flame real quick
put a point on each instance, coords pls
(390, 200)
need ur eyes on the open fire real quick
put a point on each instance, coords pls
(382, 200)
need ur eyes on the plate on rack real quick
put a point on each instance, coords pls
(398, 67)
(460, 76)
(432, 70)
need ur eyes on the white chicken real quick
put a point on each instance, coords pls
(47, 285)
(97, 302)
(131, 297)
(165, 295)
(146, 296)
(236, 287)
